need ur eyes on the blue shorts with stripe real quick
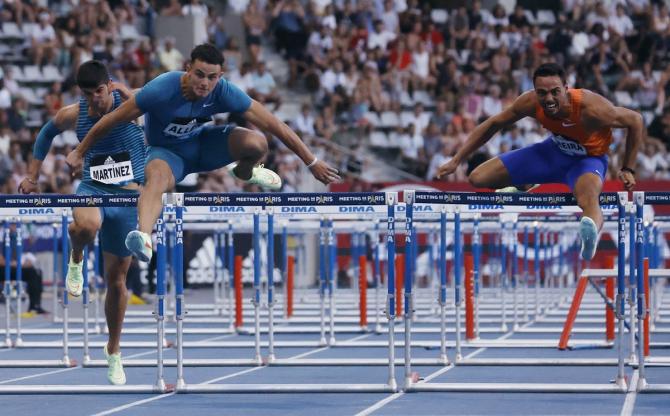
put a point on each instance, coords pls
(206, 151)
(545, 162)
(117, 222)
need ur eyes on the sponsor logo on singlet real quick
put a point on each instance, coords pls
(182, 127)
(568, 146)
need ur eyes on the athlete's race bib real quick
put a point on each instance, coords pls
(569, 147)
(112, 169)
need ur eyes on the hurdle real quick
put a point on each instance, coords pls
(515, 200)
(64, 202)
(326, 247)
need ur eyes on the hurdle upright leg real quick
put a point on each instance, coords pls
(391, 198)
(270, 271)
(442, 299)
(179, 286)
(160, 300)
(632, 296)
(8, 285)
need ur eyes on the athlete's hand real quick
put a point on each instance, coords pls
(123, 90)
(325, 173)
(75, 161)
(628, 179)
(28, 186)
(448, 168)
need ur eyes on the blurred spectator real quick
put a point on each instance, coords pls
(5, 95)
(169, 57)
(254, 23)
(304, 122)
(194, 8)
(263, 86)
(43, 41)
(290, 33)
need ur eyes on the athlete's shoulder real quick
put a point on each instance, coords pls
(170, 80)
(66, 117)
(231, 97)
(159, 92)
(526, 103)
(594, 105)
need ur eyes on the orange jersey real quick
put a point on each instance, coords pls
(571, 130)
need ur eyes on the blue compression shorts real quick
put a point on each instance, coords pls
(117, 222)
(545, 162)
(205, 152)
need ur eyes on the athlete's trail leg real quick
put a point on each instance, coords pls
(116, 269)
(82, 230)
(587, 192)
(248, 148)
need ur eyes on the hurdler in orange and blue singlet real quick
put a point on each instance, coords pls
(566, 154)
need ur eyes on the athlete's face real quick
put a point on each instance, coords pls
(203, 78)
(98, 98)
(552, 94)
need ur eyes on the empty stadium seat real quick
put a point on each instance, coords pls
(389, 119)
(379, 139)
(439, 16)
(51, 73)
(546, 18)
(32, 73)
(11, 30)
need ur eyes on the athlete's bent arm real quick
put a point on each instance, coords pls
(259, 116)
(600, 112)
(65, 119)
(522, 107)
(125, 113)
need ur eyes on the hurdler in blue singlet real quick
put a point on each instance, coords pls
(174, 125)
(113, 162)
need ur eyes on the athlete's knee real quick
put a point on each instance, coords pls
(84, 227)
(116, 280)
(159, 176)
(478, 179)
(256, 145)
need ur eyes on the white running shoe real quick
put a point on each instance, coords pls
(588, 231)
(261, 176)
(75, 278)
(140, 245)
(115, 373)
(514, 189)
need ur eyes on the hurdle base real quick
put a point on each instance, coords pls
(517, 388)
(37, 364)
(195, 362)
(286, 388)
(346, 362)
(79, 389)
(656, 388)
(529, 362)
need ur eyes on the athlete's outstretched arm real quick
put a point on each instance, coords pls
(125, 113)
(522, 107)
(259, 116)
(65, 119)
(600, 112)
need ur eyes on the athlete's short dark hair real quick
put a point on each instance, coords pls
(92, 74)
(207, 53)
(549, 70)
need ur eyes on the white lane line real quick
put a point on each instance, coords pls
(439, 372)
(631, 395)
(133, 404)
(62, 370)
(215, 380)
